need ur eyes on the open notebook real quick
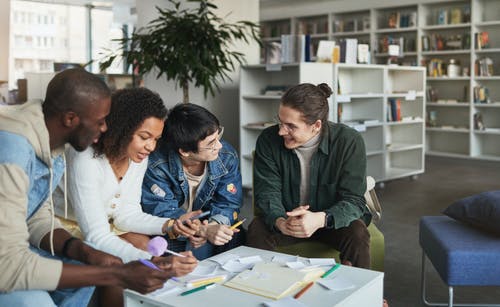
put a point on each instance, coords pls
(273, 280)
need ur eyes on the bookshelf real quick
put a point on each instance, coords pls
(395, 148)
(440, 35)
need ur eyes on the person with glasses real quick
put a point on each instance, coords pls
(194, 169)
(310, 178)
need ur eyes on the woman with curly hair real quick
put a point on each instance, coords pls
(104, 183)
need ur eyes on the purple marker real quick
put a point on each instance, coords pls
(149, 264)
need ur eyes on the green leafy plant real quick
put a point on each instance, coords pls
(186, 45)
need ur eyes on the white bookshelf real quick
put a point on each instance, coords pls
(454, 134)
(394, 149)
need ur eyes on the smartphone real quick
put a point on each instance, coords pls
(199, 216)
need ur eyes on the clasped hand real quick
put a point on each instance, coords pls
(300, 222)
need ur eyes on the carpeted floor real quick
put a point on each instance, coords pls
(404, 201)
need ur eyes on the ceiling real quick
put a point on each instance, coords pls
(99, 3)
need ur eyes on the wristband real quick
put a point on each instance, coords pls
(66, 246)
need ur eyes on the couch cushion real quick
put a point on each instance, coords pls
(480, 210)
(462, 255)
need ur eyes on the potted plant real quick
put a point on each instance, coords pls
(186, 45)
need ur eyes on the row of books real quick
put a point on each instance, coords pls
(352, 25)
(405, 44)
(454, 15)
(402, 20)
(484, 67)
(437, 42)
(394, 110)
(275, 29)
(291, 49)
(312, 26)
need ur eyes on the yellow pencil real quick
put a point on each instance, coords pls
(237, 224)
(204, 281)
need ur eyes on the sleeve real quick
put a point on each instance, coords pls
(40, 223)
(158, 197)
(267, 181)
(351, 204)
(227, 198)
(129, 216)
(85, 179)
(21, 268)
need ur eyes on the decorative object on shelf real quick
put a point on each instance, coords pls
(432, 119)
(442, 17)
(432, 94)
(187, 45)
(325, 51)
(478, 121)
(453, 68)
(484, 67)
(481, 94)
(482, 40)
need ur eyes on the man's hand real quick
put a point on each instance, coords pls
(97, 257)
(138, 277)
(175, 265)
(217, 234)
(197, 241)
(301, 223)
(186, 227)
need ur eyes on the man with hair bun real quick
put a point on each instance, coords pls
(310, 179)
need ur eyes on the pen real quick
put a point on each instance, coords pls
(174, 253)
(299, 294)
(333, 268)
(210, 285)
(237, 224)
(149, 264)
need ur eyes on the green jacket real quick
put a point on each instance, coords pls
(338, 176)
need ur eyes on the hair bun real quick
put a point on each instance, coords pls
(325, 89)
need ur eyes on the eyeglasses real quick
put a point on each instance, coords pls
(290, 128)
(220, 132)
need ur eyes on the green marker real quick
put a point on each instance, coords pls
(333, 268)
(210, 285)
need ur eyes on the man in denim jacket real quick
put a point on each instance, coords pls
(193, 169)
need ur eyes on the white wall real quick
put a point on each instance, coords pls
(225, 104)
(284, 9)
(4, 39)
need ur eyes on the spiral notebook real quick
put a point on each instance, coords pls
(272, 280)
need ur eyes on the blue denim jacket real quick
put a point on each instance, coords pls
(36, 170)
(165, 187)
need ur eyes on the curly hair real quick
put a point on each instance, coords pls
(129, 109)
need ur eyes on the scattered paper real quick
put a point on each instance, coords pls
(204, 270)
(322, 261)
(166, 290)
(285, 302)
(338, 283)
(235, 266)
(250, 259)
(296, 265)
(224, 258)
(284, 258)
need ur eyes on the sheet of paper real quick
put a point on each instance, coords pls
(338, 283)
(322, 261)
(296, 265)
(204, 270)
(235, 266)
(168, 289)
(284, 258)
(285, 302)
(250, 259)
(224, 258)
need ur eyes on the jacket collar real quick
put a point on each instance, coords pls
(216, 168)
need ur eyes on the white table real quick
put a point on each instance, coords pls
(367, 292)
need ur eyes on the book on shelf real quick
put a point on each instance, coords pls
(363, 121)
(325, 51)
(275, 90)
(363, 53)
(272, 53)
(348, 50)
(481, 94)
(295, 48)
(394, 110)
(482, 40)
(484, 67)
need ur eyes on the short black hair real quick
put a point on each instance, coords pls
(129, 109)
(73, 90)
(187, 125)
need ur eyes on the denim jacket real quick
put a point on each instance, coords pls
(165, 187)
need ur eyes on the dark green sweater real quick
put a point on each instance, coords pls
(337, 178)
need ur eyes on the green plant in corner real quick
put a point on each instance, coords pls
(186, 45)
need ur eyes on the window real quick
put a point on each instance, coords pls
(56, 33)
